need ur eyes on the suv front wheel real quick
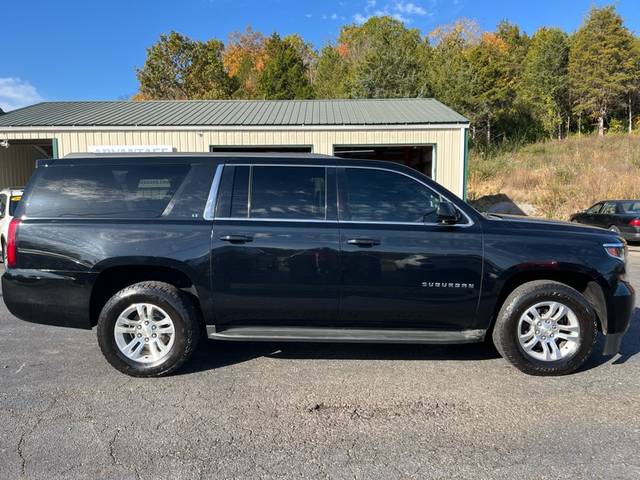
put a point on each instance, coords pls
(545, 328)
(148, 329)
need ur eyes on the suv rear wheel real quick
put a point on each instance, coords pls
(148, 329)
(545, 328)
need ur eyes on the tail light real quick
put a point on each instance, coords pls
(635, 222)
(11, 242)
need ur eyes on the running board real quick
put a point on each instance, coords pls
(355, 335)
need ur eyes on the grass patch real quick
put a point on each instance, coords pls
(560, 177)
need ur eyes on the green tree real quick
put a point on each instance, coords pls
(448, 71)
(601, 64)
(544, 83)
(331, 74)
(179, 68)
(491, 86)
(285, 75)
(633, 91)
(208, 79)
(385, 59)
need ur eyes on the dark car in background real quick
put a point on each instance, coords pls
(619, 216)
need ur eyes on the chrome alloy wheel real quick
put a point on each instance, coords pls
(144, 333)
(549, 331)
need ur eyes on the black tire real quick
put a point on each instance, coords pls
(505, 331)
(173, 301)
(3, 251)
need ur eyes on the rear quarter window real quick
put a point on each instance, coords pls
(105, 191)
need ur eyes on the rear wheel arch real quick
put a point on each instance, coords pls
(111, 280)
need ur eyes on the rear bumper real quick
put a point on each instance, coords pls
(630, 233)
(51, 298)
(619, 315)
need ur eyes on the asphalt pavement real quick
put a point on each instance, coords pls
(255, 410)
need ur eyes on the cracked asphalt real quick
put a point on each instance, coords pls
(257, 410)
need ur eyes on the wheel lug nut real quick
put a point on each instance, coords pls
(139, 326)
(539, 323)
(537, 332)
(146, 339)
(153, 327)
(146, 322)
(139, 335)
(551, 335)
(544, 338)
(154, 335)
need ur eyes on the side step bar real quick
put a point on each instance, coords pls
(355, 335)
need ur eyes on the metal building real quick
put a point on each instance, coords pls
(422, 133)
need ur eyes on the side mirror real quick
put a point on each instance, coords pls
(447, 213)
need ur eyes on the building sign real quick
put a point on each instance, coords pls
(130, 148)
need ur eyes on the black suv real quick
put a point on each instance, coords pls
(161, 250)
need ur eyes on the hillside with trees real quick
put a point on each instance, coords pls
(514, 87)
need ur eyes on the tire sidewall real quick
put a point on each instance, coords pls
(106, 338)
(516, 306)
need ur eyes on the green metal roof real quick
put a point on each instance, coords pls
(211, 113)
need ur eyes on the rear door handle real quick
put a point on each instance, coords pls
(236, 238)
(363, 242)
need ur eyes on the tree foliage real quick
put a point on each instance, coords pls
(179, 68)
(285, 75)
(601, 64)
(244, 58)
(511, 86)
(544, 85)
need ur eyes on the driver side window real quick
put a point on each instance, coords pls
(373, 195)
(595, 209)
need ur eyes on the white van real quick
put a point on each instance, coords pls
(9, 198)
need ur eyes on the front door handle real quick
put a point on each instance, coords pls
(363, 242)
(236, 238)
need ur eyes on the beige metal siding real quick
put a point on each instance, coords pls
(447, 141)
(17, 164)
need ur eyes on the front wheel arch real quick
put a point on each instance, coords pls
(581, 281)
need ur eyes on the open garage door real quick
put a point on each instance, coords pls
(262, 148)
(18, 159)
(419, 157)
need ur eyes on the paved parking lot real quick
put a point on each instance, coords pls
(312, 411)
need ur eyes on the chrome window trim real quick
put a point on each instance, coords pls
(216, 184)
(209, 208)
(297, 220)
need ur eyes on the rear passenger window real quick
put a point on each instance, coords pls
(296, 193)
(110, 191)
(382, 196)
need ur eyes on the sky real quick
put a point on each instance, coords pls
(89, 50)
